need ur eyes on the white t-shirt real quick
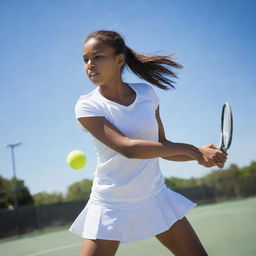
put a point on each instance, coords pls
(118, 179)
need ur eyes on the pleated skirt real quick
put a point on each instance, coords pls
(134, 221)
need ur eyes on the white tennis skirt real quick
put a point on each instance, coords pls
(137, 221)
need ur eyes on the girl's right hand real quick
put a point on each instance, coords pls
(210, 155)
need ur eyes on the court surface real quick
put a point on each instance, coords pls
(227, 228)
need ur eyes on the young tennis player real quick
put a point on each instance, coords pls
(129, 200)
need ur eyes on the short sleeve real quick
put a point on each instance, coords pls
(86, 108)
(154, 96)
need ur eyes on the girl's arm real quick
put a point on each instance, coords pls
(111, 136)
(161, 133)
(179, 158)
(108, 134)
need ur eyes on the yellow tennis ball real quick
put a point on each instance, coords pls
(76, 159)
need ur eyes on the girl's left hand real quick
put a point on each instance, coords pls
(220, 161)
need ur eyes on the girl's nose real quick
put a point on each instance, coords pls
(90, 63)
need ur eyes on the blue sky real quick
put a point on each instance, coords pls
(41, 77)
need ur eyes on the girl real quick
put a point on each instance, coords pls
(129, 200)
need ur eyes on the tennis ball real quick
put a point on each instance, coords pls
(76, 159)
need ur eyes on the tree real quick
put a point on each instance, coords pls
(247, 178)
(6, 193)
(174, 182)
(79, 191)
(48, 198)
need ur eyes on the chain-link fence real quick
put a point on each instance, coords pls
(29, 218)
(26, 219)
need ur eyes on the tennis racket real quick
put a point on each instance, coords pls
(226, 127)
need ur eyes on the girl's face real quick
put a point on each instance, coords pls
(101, 64)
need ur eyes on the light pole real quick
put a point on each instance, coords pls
(12, 145)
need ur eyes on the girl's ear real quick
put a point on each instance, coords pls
(121, 60)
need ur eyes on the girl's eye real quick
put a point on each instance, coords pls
(96, 57)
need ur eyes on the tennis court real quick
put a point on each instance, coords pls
(226, 228)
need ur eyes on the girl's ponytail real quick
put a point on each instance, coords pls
(149, 68)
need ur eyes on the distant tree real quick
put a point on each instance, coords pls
(174, 182)
(79, 191)
(233, 181)
(6, 193)
(48, 198)
(247, 180)
(226, 183)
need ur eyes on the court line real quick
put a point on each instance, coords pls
(54, 249)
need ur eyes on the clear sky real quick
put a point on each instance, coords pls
(41, 78)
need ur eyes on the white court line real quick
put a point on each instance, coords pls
(54, 249)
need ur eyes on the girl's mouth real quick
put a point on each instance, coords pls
(93, 74)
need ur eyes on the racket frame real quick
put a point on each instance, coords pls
(222, 146)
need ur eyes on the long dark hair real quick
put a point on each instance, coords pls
(149, 68)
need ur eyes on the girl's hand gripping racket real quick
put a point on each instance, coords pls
(226, 127)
